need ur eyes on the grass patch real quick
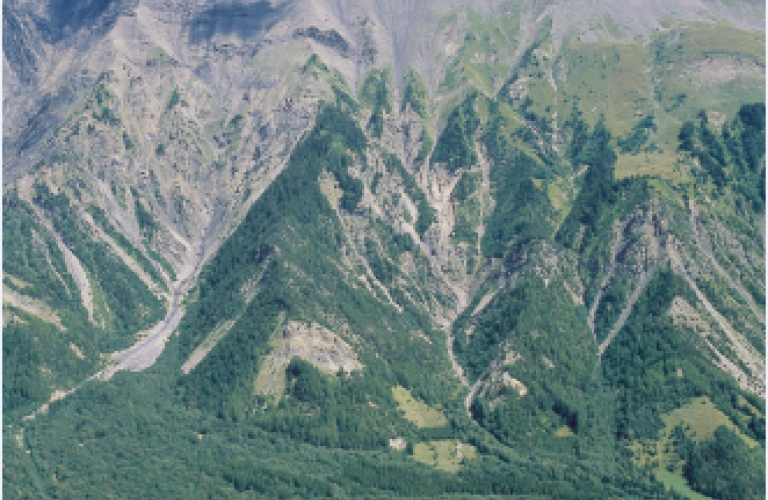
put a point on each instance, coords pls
(478, 53)
(679, 485)
(445, 455)
(689, 77)
(159, 54)
(558, 192)
(564, 431)
(609, 79)
(652, 164)
(700, 417)
(703, 418)
(417, 412)
(702, 40)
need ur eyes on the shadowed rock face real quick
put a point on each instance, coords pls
(35, 127)
(329, 38)
(64, 18)
(244, 20)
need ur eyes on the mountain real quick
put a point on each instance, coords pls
(384, 249)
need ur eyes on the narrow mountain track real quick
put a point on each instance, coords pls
(483, 381)
(477, 388)
(458, 370)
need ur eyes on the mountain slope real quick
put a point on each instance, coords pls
(490, 247)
